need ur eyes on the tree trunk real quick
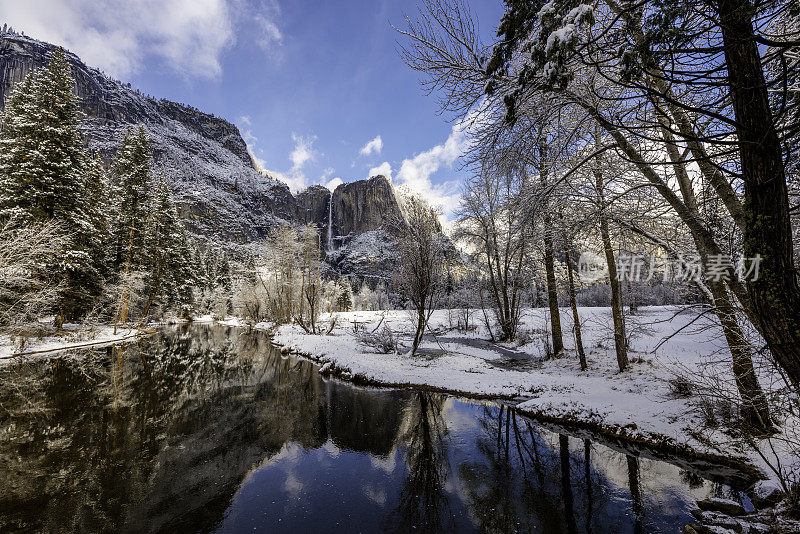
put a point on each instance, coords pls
(419, 332)
(123, 312)
(574, 305)
(636, 493)
(755, 410)
(552, 290)
(620, 341)
(549, 260)
(587, 461)
(633, 305)
(775, 296)
(155, 290)
(566, 483)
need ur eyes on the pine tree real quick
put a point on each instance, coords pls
(17, 141)
(132, 168)
(344, 297)
(166, 250)
(98, 206)
(185, 277)
(43, 166)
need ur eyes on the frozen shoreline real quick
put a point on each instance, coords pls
(74, 336)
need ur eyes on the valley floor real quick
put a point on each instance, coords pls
(641, 404)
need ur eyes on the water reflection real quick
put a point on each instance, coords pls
(210, 429)
(424, 504)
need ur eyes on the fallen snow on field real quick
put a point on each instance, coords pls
(73, 336)
(639, 403)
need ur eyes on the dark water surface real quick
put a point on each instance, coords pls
(210, 429)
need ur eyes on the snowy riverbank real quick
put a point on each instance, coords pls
(73, 336)
(641, 404)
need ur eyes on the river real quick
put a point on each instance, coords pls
(211, 429)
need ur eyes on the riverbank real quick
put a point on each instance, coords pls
(72, 336)
(651, 403)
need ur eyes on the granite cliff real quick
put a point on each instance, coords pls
(358, 222)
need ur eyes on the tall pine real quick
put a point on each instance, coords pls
(168, 275)
(43, 176)
(18, 141)
(98, 205)
(132, 168)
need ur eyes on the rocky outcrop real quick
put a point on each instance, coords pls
(312, 207)
(364, 205)
(357, 222)
(370, 256)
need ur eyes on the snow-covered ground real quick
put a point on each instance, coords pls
(73, 336)
(639, 404)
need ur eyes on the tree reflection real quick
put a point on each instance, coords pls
(423, 504)
(636, 493)
(587, 477)
(159, 435)
(527, 480)
(566, 486)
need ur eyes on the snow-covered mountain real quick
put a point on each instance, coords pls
(203, 158)
(220, 194)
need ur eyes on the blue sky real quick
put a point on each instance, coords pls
(317, 88)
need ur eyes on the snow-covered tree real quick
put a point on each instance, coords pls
(27, 288)
(44, 175)
(167, 253)
(494, 224)
(133, 175)
(133, 182)
(344, 296)
(421, 274)
(98, 209)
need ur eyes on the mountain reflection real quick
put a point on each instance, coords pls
(207, 428)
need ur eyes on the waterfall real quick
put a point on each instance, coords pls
(330, 222)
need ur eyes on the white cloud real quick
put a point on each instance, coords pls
(415, 173)
(118, 36)
(334, 183)
(251, 140)
(302, 153)
(258, 23)
(372, 147)
(327, 181)
(384, 168)
(326, 174)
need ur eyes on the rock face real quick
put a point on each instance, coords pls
(204, 159)
(220, 194)
(363, 217)
(313, 204)
(371, 256)
(364, 205)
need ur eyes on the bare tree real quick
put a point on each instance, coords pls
(569, 57)
(709, 81)
(492, 221)
(310, 262)
(420, 274)
(26, 291)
